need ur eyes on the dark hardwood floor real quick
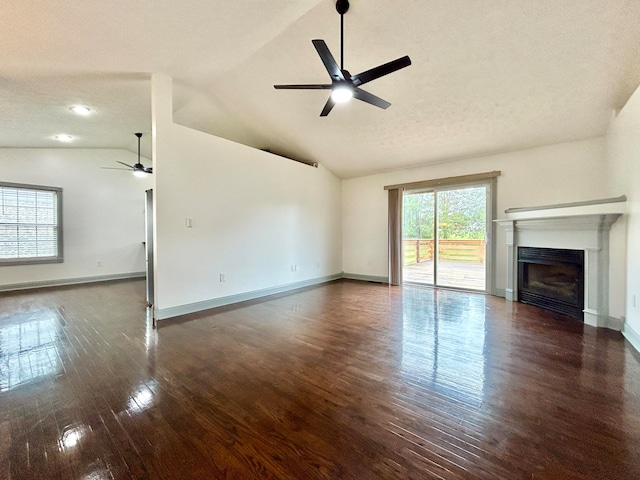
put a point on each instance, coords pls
(349, 380)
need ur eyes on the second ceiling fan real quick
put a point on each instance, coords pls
(138, 169)
(343, 85)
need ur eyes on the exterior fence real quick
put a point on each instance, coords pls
(418, 250)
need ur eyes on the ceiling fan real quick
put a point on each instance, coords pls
(343, 85)
(138, 169)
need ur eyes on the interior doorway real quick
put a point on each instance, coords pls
(148, 228)
(445, 233)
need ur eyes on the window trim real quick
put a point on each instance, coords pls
(449, 181)
(39, 260)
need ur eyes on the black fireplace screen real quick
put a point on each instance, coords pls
(552, 278)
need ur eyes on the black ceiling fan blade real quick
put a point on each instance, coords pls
(328, 107)
(370, 98)
(122, 163)
(115, 168)
(329, 62)
(303, 87)
(380, 71)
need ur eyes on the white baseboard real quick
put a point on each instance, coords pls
(501, 292)
(613, 323)
(632, 336)
(70, 281)
(170, 312)
(365, 278)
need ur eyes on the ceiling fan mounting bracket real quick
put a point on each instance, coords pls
(342, 6)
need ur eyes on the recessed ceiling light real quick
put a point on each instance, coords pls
(63, 138)
(80, 110)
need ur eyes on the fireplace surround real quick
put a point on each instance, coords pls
(580, 226)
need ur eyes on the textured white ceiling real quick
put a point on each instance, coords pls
(487, 76)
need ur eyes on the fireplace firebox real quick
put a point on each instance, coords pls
(553, 279)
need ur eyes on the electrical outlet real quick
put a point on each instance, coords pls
(99, 263)
(633, 300)
(223, 277)
(293, 268)
(296, 267)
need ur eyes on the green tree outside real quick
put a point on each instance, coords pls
(461, 214)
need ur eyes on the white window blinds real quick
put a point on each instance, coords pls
(29, 223)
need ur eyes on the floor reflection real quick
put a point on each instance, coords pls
(444, 341)
(143, 398)
(29, 348)
(72, 436)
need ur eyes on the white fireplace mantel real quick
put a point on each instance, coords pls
(570, 226)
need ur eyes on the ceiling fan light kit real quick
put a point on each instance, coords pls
(345, 86)
(341, 94)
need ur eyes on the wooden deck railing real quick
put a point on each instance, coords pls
(418, 250)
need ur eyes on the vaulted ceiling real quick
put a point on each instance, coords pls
(486, 77)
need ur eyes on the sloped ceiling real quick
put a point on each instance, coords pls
(487, 76)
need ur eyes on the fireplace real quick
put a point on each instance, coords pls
(552, 278)
(580, 226)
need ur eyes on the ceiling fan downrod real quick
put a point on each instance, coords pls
(139, 135)
(138, 169)
(342, 6)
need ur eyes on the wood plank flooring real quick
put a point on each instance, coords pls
(348, 380)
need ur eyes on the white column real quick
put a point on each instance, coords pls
(591, 286)
(511, 290)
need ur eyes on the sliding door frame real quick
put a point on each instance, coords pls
(396, 194)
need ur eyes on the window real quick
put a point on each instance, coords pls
(30, 224)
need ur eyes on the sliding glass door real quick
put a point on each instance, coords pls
(444, 236)
(461, 236)
(418, 240)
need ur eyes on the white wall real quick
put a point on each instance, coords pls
(103, 211)
(254, 215)
(560, 173)
(623, 154)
